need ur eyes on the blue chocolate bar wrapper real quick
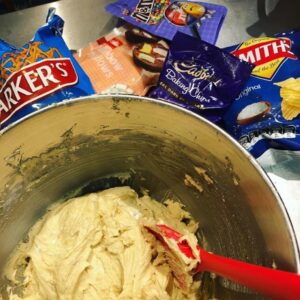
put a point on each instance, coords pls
(164, 18)
(201, 77)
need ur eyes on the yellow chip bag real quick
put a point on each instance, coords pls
(290, 94)
(265, 117)
(289, 112)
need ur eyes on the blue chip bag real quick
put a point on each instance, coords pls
(40, 73)
(200, 77)
(164, 18)
(266, 114)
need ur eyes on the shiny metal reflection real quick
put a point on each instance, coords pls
(96, 142)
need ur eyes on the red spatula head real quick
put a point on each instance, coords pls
(269, 282)
(183, 260)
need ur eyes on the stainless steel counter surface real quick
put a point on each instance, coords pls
(87, 20)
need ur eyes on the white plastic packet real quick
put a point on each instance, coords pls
(283, 167)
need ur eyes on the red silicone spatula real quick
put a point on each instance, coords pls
(269, 282)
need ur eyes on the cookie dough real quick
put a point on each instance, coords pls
(96, 247)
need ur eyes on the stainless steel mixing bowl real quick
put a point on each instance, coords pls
(93, 143)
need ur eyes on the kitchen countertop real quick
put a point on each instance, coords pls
(87, 20)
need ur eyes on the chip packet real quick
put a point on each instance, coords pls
(38, 74)
(200, 77)
(266, 114)
(127, 60)
(165, 17)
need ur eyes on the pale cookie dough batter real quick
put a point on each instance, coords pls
(95, 247)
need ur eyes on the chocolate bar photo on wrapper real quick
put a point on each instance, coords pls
(164, 18)
(126, 60)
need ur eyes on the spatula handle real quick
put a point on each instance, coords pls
(269, 282)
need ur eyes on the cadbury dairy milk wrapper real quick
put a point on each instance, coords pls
(266, 114)
(201, 77)
(166, 17)
(40, 73)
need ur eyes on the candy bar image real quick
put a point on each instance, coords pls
(253, 112)
(176, 15)
(150, 57)
(184, 13)
(193, 9)
(158, 11)
(163, 44)
(151, 12)
(136, 36)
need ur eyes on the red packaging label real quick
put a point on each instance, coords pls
(34, 82)
(112, 43)
(265, 52)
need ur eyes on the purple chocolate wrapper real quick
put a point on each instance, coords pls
(201, 77)
(166, 17)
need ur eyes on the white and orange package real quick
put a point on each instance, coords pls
(125, 61)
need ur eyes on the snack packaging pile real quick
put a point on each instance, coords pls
(201, 77)
(166, 17)
(266, 113)
(155, 54)
(125, 61)
(128, 60)
(41, 73)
